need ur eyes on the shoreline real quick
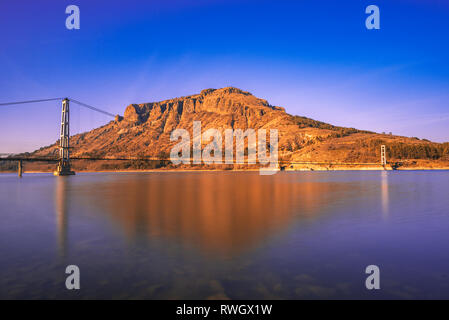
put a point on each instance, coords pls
(242, 170)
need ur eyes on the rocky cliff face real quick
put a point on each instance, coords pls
(145, 130)
(232, 105)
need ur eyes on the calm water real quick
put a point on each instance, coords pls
(225, 235)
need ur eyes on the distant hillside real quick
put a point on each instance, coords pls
(145, 129)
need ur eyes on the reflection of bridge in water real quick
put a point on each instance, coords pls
(61, 210)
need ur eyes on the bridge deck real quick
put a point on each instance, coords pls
(44, 159)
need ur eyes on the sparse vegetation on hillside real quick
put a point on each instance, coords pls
(304, 122)
(419, 150)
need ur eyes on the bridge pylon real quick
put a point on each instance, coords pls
(64, 167)
(383, 156)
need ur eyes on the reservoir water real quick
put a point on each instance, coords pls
(236, 235)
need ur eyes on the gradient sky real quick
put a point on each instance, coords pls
(315, 58)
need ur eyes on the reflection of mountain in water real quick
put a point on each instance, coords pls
(225, 212)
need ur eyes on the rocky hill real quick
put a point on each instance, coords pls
(144, 131)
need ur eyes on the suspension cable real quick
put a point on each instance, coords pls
(29, 101)
(54, 99)
(93, 108)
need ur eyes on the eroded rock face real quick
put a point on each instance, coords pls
(135, 113)
(226, 101)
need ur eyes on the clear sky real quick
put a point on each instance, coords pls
(315, 58)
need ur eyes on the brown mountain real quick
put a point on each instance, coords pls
(145, 129)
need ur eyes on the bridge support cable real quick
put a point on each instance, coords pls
(28, 101)
(55, 99)
(93, 108)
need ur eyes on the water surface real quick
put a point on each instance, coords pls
(237, 235)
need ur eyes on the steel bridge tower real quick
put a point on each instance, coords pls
(64, 168)
(383, 156)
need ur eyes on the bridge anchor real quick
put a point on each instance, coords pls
(64, 168)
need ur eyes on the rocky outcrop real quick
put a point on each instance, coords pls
(226, 101)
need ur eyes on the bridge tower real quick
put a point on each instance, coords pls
(383, 156)
(64, 168)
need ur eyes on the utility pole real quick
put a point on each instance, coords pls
(64, 168)
(383, 157)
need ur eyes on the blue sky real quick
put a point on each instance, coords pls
(315, 58)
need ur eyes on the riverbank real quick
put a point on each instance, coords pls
(318, 169)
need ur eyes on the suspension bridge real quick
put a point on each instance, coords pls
(64, 167)
(64, 159)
